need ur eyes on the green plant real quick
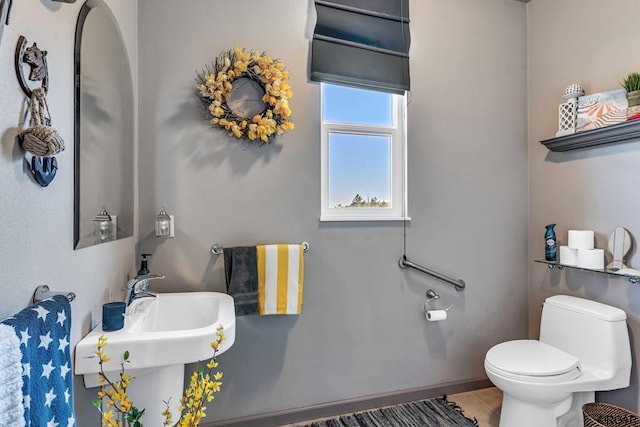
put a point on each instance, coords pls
(121, 412)
(631, 82)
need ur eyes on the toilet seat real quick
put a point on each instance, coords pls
(532, 361)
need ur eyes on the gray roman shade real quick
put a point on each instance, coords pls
(362, 43)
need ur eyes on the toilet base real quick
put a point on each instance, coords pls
(566, 413)
(573, 418)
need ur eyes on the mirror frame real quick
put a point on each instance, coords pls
(86, 8)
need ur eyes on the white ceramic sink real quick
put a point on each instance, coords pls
(170, 329)
(161, 334)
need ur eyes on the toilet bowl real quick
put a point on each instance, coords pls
(583, 347)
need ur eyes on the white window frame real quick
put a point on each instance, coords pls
(398, 136)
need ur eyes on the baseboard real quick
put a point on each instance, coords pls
(364, 403)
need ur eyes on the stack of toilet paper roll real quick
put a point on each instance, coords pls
(580, 251)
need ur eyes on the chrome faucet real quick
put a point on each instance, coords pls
(138, 287)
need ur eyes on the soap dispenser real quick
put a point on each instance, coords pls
(144, 268)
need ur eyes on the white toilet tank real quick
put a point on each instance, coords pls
(595, 333)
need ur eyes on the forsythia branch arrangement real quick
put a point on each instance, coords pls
(120, 411)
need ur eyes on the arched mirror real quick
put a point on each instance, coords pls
(104, 129)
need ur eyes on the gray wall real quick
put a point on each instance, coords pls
(36, 224)
(362, 330)
(593, 43)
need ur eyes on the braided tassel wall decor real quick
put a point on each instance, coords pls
(40, 141)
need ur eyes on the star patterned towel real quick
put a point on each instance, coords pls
(43, 332)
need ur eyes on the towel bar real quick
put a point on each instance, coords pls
(403, 262)
(42, 293)
(217, 248)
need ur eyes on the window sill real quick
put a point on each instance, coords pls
(362, 218)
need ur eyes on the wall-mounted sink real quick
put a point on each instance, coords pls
(172, 328)
(161, 334)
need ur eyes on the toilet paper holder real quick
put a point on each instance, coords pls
(432, 296)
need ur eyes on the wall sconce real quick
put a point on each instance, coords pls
(104, 226)
(164, 224)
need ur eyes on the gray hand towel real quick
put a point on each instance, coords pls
(241, 275)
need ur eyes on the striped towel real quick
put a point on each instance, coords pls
(280, 279)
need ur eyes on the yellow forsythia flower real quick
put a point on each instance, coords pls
(168, 418)
(126, 380)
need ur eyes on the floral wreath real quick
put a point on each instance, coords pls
(214, 89)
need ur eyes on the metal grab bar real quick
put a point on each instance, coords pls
(217, 248)
(403, 262)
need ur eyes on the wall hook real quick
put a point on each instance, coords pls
(36, 59)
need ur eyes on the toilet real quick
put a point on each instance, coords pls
(583, 348)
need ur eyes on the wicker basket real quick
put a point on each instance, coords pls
(607, 415)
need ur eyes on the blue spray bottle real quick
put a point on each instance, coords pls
(550, 247)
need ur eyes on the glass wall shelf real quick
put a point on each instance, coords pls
(554, 264)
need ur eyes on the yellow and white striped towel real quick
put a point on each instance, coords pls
(280, 279)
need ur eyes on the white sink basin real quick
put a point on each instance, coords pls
(161, 334)
(170, 329)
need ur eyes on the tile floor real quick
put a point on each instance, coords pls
(482, 404)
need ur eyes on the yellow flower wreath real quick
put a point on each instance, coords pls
(215, 86)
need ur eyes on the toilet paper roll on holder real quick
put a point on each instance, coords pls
(431, 296)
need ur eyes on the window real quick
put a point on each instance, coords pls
(363, 155)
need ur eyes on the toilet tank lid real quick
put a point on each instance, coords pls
(587, 307)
